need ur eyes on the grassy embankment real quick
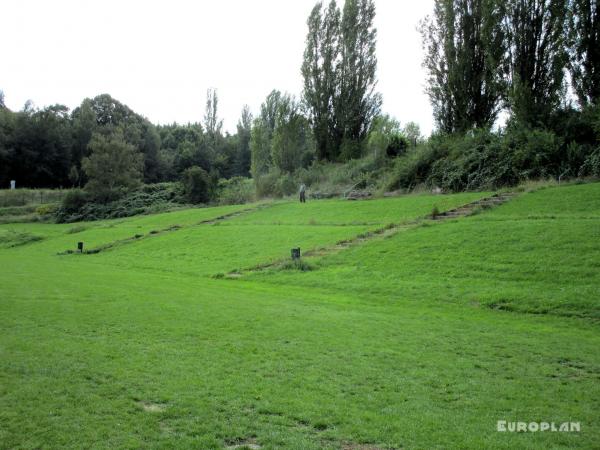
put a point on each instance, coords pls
(418, 340)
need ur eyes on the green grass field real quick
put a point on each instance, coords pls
(420, 338)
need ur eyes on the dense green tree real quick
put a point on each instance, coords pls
(281, 136)
(262, 132)
(110, 115)
(149, 145)
(260, 148)
(584, 26)
(84, 124)
(537, 39)
(268, 111)
(171, 136)
(212, 123)
(465, 60)
(383, 129)
(6, 136)
(244, 130)
(292, 142)
(386, 138)
(188, 154)
(412, 131)
(225, 156)
(74, 176)
(40, 147)
(221, 152)
(357, 103)
(113, 167)
(320, 73)
(182, 146)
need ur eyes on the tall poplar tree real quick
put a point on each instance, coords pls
(357, 103)
(212, 124)
(319, 70)
(584, 26)
(465, 60)
(244, 128)
(339, 71)
(537, 41)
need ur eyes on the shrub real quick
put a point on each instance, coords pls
(296, 264)
(266, 183)
(483, 159)
(397, 145)
(414, 167)
(591, 165)
(473, 161)
(385, 138)
(196, 185)
(236, 190)
(46, 210)
(73, 201)
(350, 149)
(286, 185)
(147, 199)
(536, 153)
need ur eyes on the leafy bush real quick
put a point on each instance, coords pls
(73, 202)
(46, 210)
(286, 185)
(235, 191)
(483, 159)
(350, 149)
(591, 165)
(396, 146)
(147, 199)
(535, 153)
(414, 168)
(196, 185)
(277, 184)
(474, 161)
(266, 184)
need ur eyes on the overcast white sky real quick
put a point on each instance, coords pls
(159, 57)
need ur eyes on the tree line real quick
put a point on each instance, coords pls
(52, 147)
(535, 63)
(485, 56)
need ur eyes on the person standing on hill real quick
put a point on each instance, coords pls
(302, 193)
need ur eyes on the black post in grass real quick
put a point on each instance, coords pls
(296, 253)
(80, 247)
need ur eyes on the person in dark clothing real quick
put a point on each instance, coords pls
(302, 193)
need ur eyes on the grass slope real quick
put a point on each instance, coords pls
(523, 256)
(371, 212)
(137, 347)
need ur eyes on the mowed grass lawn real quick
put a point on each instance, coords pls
(424, 339)
(524, 256)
